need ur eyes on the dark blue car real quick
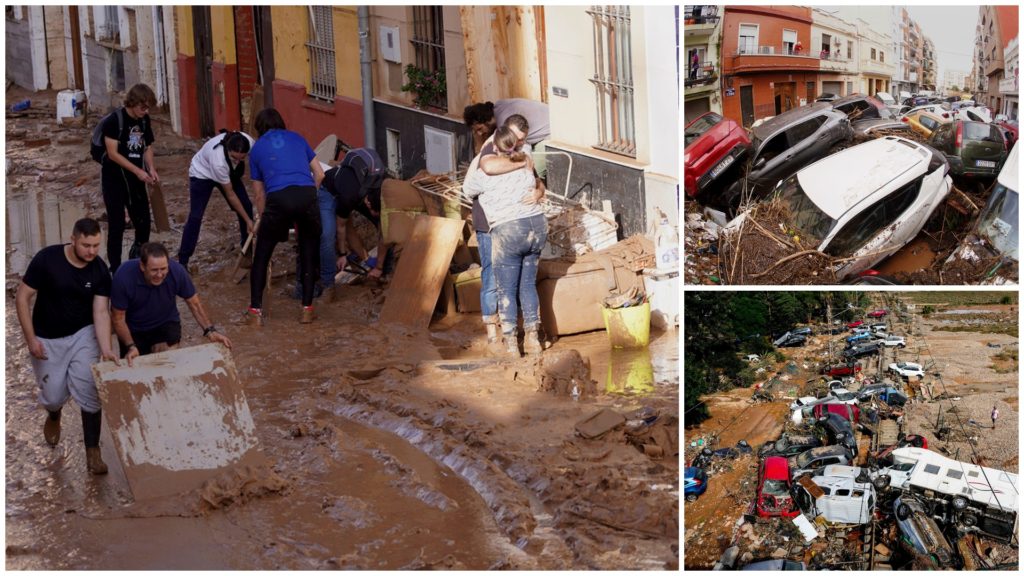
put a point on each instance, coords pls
(695, 482)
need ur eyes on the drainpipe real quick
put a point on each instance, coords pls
(369, 131)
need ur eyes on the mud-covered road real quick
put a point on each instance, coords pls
(389, 449)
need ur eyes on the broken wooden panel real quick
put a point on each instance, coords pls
(177, 418)
(421, 270)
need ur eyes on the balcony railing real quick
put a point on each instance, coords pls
(772, 51)
(704, 14)
(833, 56)
(702, 75)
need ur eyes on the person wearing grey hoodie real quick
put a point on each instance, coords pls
(518, 234)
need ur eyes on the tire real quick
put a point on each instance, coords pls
(969, 520)
(902, 511)
(959, 503)
(691, 497)
(882, 482)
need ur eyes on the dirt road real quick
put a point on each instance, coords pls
(386, 458)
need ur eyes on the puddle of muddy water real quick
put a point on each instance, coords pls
(36, 220)
(636, 372)
(916, 255)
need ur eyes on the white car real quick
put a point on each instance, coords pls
(907, 369)
(893, 340)
(864, 203)
(975, 114)
(942, 110)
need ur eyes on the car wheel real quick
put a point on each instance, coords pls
(882, 482)
(969, 520)
(959, 503)
(691, 497)
(903, 511)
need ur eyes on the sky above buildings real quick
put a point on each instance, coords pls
(951, 29)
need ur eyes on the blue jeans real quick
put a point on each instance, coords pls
(199, 192)
(488, 290)
(328, 230)
(515, 252)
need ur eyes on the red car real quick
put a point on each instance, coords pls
(1010, 131)
(846, 370)
(713, 145)
(855, 324)
(773, 497)
(877, 313)
(844, 410)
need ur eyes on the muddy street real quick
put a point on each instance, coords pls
(387, 448)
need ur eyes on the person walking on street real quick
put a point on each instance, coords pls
(995, 416)
(285, 178)
(219, 164)
(67, 330)
(127, 167)
(145, 308)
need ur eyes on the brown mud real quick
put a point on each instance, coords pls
(391, 449)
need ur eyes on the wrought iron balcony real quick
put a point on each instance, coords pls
(701, 75)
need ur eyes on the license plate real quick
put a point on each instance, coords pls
(984, 164)
(717, 170)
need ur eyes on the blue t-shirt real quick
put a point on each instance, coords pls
(147, 307)
(279, 159)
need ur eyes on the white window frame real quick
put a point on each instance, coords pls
(739, 37)
(796, 39)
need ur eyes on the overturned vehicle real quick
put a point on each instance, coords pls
(976, 498)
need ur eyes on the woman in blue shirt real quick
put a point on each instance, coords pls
(285, 177)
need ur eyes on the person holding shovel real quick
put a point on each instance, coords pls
(127, 167)
(219, 164)
(67, 330)
(145, 308)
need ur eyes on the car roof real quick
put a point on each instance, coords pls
(1009, 175)
(720, 117)
(827, 451)
(873, 165)
(789, 117)
(776, 467)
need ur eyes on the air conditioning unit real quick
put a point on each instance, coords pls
(440, 147)
(767, 50)
(390, 47)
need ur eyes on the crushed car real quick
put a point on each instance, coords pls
(773, 497)
(789, 445)
(892, 186)
(816, 458)
(920, 534)
(838, 431)
(695, 483)
(973, 149)
(838, 494)
(714, 144)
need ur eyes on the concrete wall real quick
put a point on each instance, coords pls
(19, 49)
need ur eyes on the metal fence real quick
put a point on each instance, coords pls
(323, 83)
(613, 79)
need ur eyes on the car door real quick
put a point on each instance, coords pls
(772, 155)
(808, 141)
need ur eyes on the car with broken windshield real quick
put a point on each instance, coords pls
(838, 430)
(973, 149)
(863, 204)
(818, 458)
(773, 497)
(837, 494)
(789, 445)
(790, 141)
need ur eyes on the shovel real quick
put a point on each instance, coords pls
(245, 248)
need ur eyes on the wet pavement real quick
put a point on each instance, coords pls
(389, 449)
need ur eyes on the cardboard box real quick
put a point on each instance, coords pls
(467, 290)
(571, 292)
(396, 225)
(401, 195)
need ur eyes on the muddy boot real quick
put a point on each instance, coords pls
(531, 342)
(51, 428)
(512, 345)
(94, 461)
(254, 317)
(495, 346)
(308, 315)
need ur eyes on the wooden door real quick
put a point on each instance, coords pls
(747, 104)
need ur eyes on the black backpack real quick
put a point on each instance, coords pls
(97, 145)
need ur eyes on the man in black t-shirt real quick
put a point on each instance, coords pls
(68, 329)
(127, 168)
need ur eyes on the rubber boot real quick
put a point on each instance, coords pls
(495, 347)
(308, 315)
(531, 343)
(51, 428)
(91, 422)
(512, 345)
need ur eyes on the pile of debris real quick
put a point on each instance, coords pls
(764, 250)
(701, 240)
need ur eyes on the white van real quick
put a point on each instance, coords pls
(839, 494)
(978, 498)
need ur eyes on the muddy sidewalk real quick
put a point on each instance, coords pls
(391, 449)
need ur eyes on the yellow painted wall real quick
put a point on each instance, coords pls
(185, 37)
(291, 29)
(222, 26)
(346, 49)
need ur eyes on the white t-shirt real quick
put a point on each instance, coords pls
(210, 162)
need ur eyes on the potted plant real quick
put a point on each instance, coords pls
(429, 88)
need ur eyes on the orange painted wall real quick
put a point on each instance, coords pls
(764, 92)
(771, 20)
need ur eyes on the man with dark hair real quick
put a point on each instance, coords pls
(127, 168)
(484, 118)
(67, 330)
(144, 302)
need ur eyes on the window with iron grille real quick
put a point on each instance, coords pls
(322, 82)
(428, 46)
(613, 79)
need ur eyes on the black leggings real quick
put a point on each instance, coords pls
(298, 205)
(120, 190)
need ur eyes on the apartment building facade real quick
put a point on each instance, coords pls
(702, 33)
